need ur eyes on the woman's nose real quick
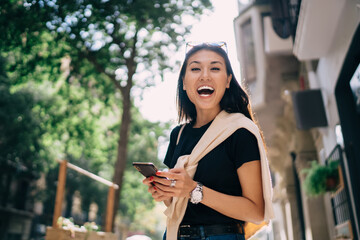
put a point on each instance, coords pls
(205, 75)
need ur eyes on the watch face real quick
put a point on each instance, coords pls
(197, 195)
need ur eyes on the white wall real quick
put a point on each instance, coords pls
(329, 67)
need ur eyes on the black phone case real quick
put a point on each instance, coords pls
(146, 169)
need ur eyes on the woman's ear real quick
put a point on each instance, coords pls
(228, 81)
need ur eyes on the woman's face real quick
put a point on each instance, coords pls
(205, 81)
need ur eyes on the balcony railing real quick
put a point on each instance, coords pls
(340, 203)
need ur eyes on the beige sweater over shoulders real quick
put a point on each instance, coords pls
(220, 129)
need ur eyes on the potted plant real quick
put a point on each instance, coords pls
(67, 230)
(321, 178)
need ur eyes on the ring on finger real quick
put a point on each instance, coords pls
(173, 182)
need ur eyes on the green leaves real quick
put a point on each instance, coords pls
(70, 67)
(317, 177)
(20, 130)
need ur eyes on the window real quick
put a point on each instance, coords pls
(249, 52)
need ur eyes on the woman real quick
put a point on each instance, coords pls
(225, 187)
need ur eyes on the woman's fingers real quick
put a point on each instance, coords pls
(175, 173)
(158, 194)
(174, 183)
(166, 181)
(168, 191)
(165, 189)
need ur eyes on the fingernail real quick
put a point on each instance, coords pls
(151, 178)
(155, 188)
(157, 173)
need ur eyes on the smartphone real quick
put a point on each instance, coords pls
(147, 169)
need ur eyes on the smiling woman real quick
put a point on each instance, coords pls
(219, 177)
(205, 81)
(205, 91)
(158, 102)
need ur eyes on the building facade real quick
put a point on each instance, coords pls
(300, 63)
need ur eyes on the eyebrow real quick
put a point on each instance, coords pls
(213, 62)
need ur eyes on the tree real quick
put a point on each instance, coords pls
(20, 140)
(115, 47)
(122, 39)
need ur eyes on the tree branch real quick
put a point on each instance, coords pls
(92, 58)
(131, 64)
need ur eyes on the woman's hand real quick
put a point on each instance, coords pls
(157, 195)
(182, 185)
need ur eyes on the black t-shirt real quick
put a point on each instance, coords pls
(217, 170)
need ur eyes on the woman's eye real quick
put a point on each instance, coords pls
(195, 69)
(215, 68)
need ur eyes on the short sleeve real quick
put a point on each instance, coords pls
(172, 144)
(243, 147)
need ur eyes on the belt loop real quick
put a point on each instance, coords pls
(241, 225)
(202, 233)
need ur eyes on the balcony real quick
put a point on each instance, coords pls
(316, 27)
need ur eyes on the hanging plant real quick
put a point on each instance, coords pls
(321, 178)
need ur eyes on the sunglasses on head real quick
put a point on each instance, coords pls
(190, 45)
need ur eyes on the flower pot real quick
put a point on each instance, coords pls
(332, 183)
(61, 234)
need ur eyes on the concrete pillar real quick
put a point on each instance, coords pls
(315, 214)
(292, 206)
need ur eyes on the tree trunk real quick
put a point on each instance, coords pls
(125, 126)
(122, 148)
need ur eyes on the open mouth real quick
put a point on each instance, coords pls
(205, 91)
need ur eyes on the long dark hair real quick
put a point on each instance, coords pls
(235, 98)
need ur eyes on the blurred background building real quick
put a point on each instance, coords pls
(300, 63)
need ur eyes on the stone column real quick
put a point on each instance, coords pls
(313, 207)
(292, 206)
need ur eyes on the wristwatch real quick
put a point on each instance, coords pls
(196, 195)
